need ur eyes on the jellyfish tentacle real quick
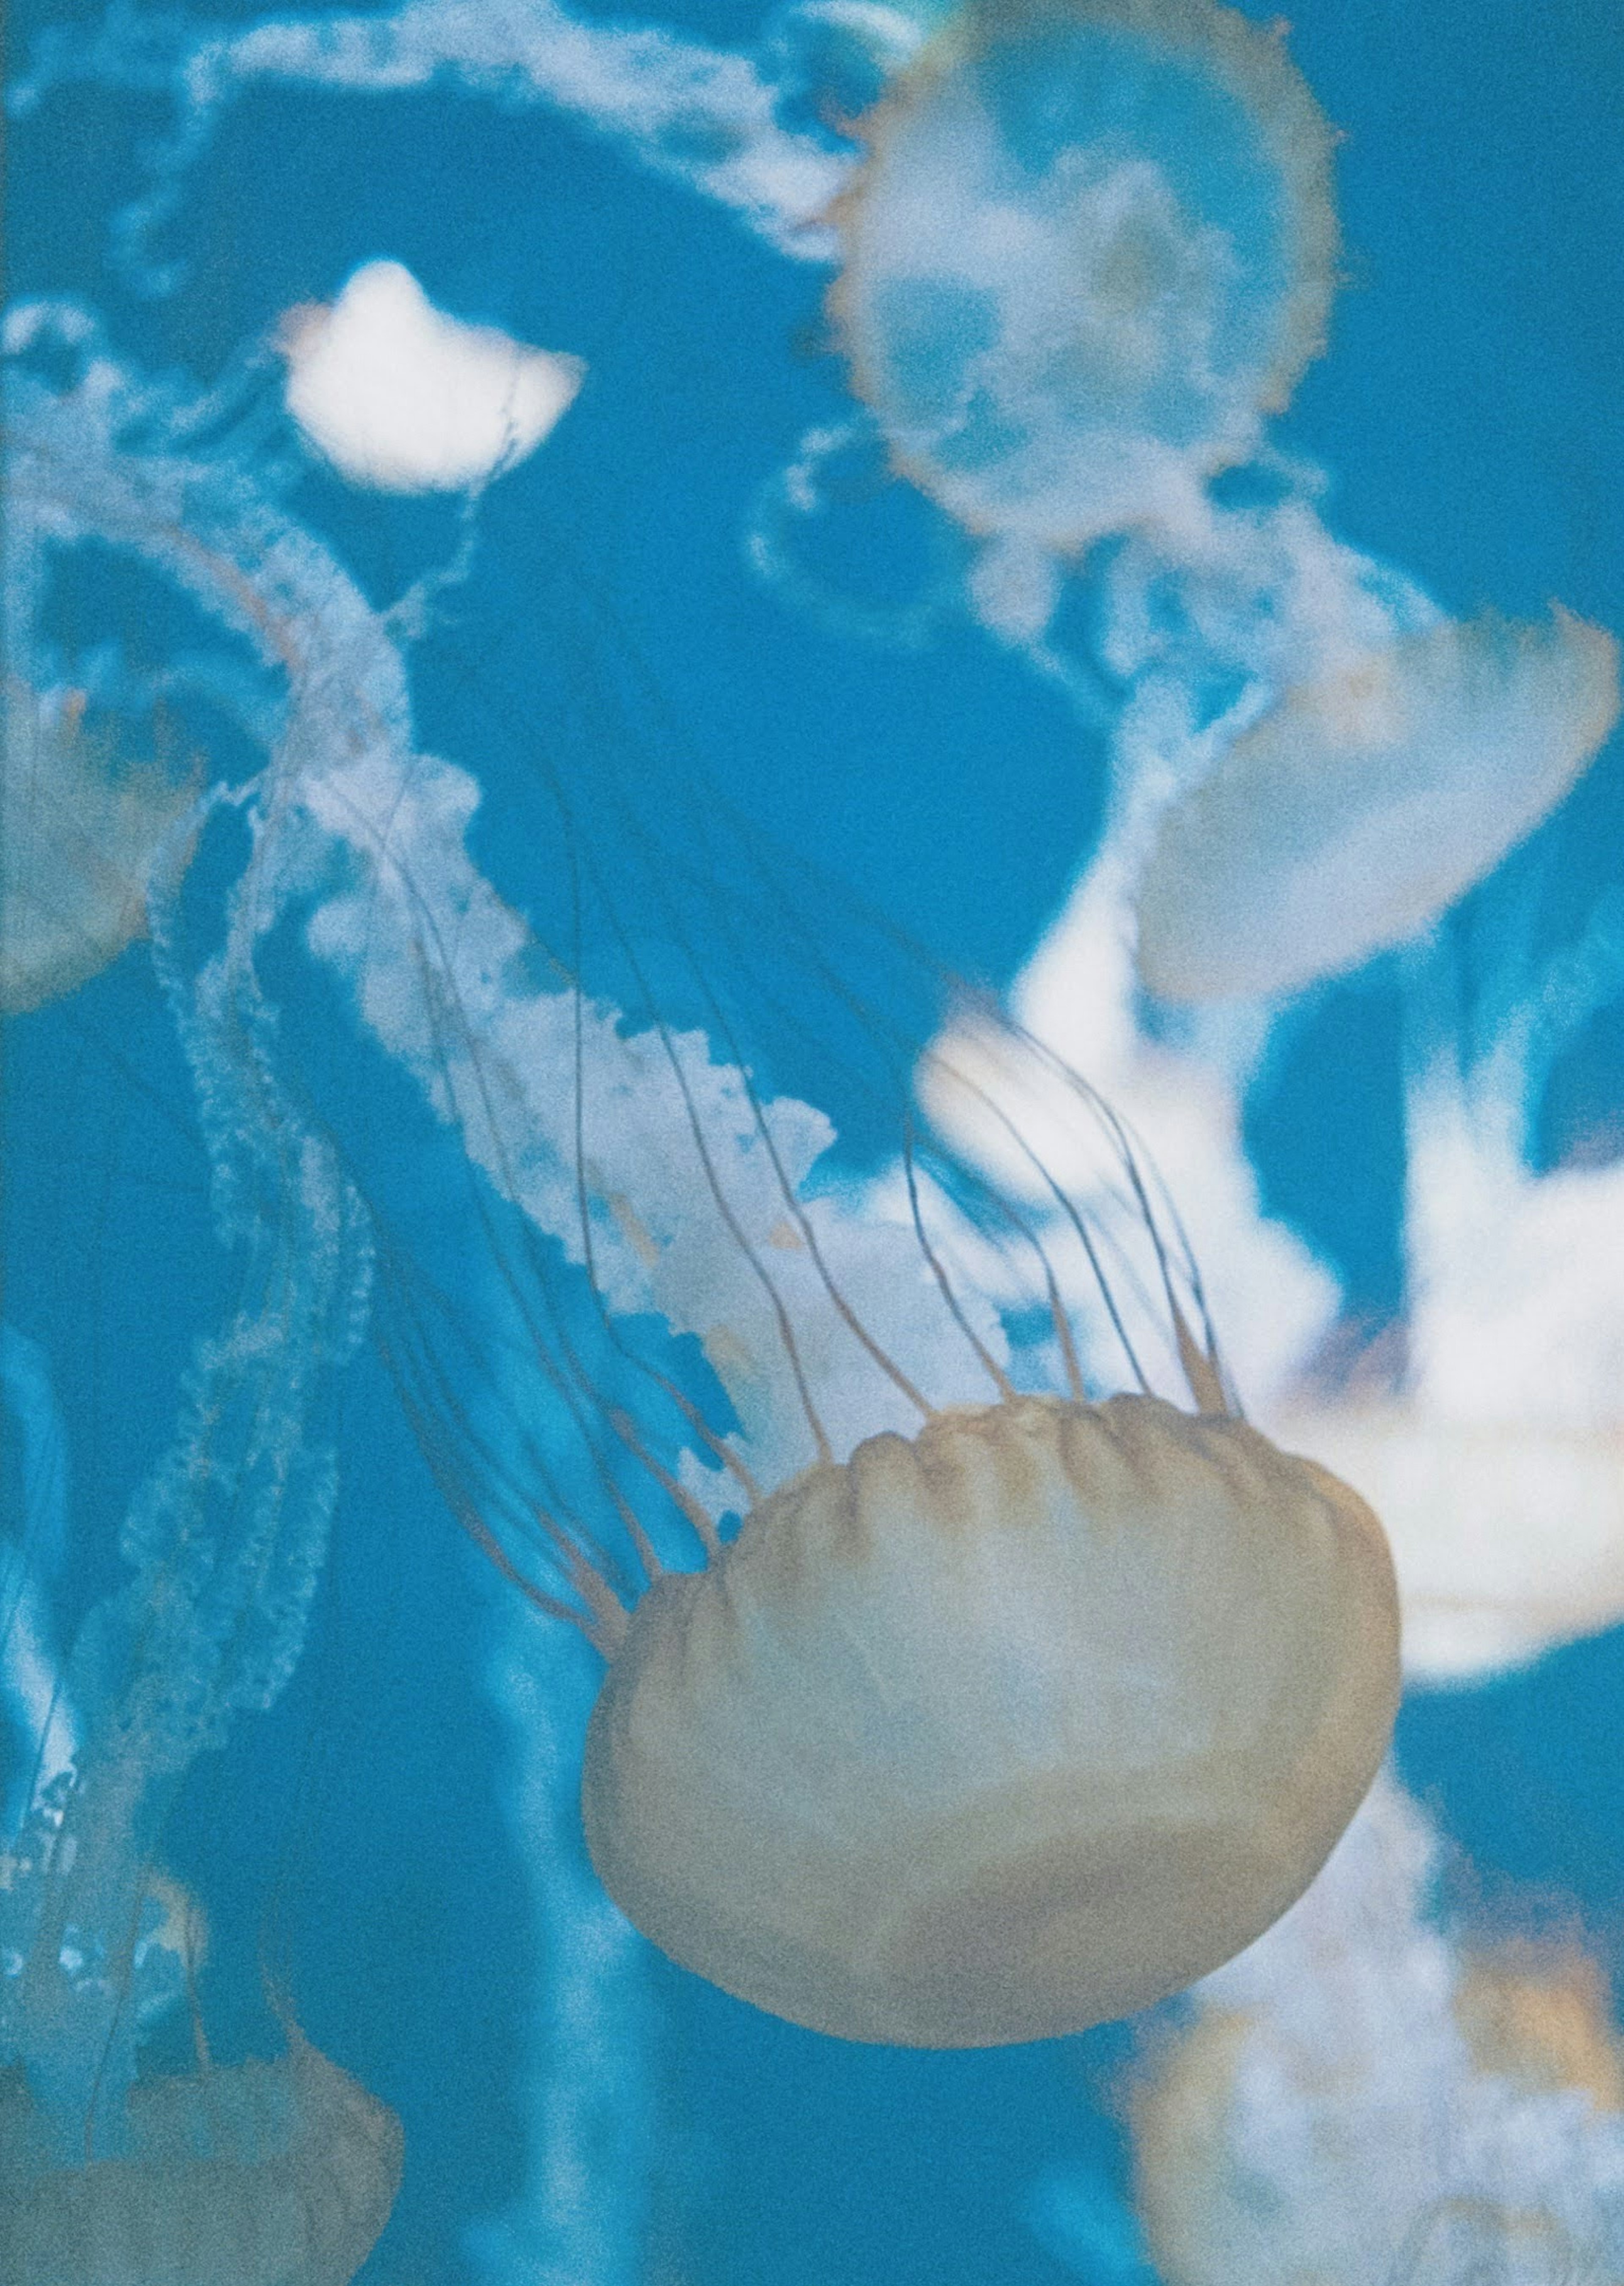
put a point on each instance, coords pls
(1000, 1380)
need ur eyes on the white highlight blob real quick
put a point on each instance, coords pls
(1508, 1539)
(401, 398)
(1094, 243)
(1499, 1466)
(1364, 803)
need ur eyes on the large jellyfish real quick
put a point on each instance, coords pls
(1093, 244)
(1005, 1708)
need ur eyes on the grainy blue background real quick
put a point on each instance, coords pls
(1471, 412)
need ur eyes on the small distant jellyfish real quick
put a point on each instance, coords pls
(261, 2174)
(1358, 807)
(82, 822)
(401, 398)
(1092, 245)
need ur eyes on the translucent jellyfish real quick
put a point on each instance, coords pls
(1093, 244)
(267, 2174)
(1361, 805)
(400, 397)
(112, 2172)
(999, 1731)
(82, 821)
(1365, 2100)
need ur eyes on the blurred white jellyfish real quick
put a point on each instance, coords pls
(1497, 1451)
(1093, 243)
(1363, 2100)
(402, 398)
(1361, 804)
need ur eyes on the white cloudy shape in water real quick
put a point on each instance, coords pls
(401, 398)
(1508, 1539)
(1094, 243)
(1498, 1467)
(1361, 2101)
(1363, 804)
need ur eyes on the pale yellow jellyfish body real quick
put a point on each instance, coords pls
(1359, 807)
(82, 825)
(995, 1719)
(261, 2174)
(1000, 1732)
(1094, 243)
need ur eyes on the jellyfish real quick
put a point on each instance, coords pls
(1006, 1708)
(1361, 805)
(1092, 245)
(1369, 2098)
(269, 2174)
(82, 822)
(400, 397)
(281, 2171)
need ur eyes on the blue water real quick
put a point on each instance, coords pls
(354, 1838)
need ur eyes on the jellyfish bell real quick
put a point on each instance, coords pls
(1359, 807)
(999, 1731)
(267, 2174)
(83, 820)
(1093, 242)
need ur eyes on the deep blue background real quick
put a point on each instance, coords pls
(1471, 411)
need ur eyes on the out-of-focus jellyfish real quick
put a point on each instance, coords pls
(1360, 2101)
(281, 2171)
(267, 2174)
(400, 397)
(82, 823)
(1496, 1446)
(1363, 804)
(1093, 242)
